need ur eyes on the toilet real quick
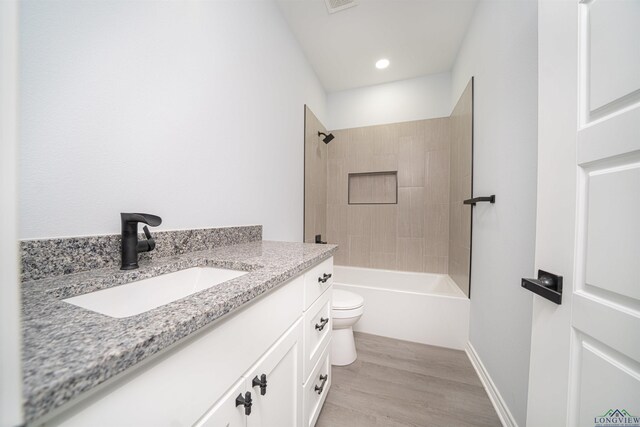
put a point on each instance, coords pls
(346, 309)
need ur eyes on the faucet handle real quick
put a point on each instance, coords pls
(150, 244)
(147, 233)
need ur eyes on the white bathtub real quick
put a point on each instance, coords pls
(419, 307)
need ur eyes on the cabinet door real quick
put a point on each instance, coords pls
(280, 402)
(225, 413)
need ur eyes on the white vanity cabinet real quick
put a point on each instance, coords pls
(282, 338)
(303, 349)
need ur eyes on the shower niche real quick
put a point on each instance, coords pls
(391, 196)
(373, 188)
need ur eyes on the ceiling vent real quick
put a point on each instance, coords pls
(334, 6)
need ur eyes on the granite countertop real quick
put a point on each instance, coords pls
(68, 350)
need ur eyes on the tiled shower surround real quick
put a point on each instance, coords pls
(412, 235)
(429, 228)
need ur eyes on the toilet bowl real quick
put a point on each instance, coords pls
(346, 309)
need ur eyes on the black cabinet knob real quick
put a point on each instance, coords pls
(324, 278)
(260, 382)
(323, 322)
(244, 401)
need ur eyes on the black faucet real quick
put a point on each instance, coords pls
(130, 244)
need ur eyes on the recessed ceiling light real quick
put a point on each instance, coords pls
(382, 64)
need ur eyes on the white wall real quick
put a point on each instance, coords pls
(10, 331)
(500, 50)
(421, 98)
(189, 110)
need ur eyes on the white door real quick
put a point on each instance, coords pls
(585, 353)
(226, 412)
(280, 369)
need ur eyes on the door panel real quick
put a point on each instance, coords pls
(608, 322)
(608, 380)
(613, 230)
(614, 71)
(281, 404)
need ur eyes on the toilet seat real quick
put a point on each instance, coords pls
(345, 300)
(345, 304)
(347, 314)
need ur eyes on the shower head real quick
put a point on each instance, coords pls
(327, 138)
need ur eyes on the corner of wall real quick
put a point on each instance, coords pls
(11, 336)
(500, 51)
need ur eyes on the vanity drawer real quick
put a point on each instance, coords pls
(315, 281)
(317, 324)
(316, 389)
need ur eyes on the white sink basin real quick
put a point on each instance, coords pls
(144, 295)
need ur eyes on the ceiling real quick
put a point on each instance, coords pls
(419, 37)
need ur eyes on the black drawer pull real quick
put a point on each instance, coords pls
(324, 278)
(262, 382)
(246, 401)
(324, 379)
(323, 323)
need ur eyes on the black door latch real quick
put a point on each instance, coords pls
(547, 285)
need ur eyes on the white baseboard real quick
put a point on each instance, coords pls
(494, 395)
